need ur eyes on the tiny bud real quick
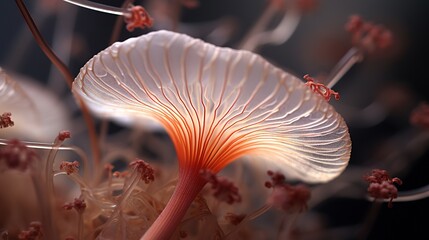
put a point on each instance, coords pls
(144, 169)
(78, 204)
(224, 190)
(276, 179)
(69, 167)
(118, 174)
(137, 18)
(285, 196)
(17, 155)
(381, 185)
(368, 36)
(5, 120)
(33, 232)
(63, 135)
(68, 206)
(324, 91)
(354, 24)
(290, 198)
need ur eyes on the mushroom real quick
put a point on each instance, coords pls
(217, 105)
(37, 112)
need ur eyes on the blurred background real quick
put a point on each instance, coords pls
(377, 95)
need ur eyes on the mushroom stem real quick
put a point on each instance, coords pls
(189, 185)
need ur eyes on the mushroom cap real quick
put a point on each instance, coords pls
(217, 104)
(38, 114)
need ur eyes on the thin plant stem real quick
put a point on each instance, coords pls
(118, 24)
(67, 76)
(408, 196)
(44, 200)
(413, 195)
(80, 226)
(43, 45)
(370, 220)
(97, 7)
(258, 36)
(134, 180)
(49, 172)
(353, 56)
(74, 177)
(62, 43)
(104, 128)
(48, 146)
(258, 212)
(248, 42)
(284, 29)
(109, 184)
(281, 227)
(287, 225)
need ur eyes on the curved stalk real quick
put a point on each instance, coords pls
(408, 196)
(44, 199)
(66, 74)
(80, 226)
(248, 218)
(48, 146)
(97, 7)
(134, 180)
(353, 56)
(280, 34)
(189, 185)
(248, 42)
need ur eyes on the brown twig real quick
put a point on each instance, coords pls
(66, 74)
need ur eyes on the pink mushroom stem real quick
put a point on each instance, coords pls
(188, 186)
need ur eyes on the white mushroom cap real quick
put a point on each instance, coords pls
(217, 104)
(38, 114)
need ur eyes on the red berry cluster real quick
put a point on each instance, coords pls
(381, 186)
(224, 189)
(287, 197)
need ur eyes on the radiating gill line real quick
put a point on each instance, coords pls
(106, 87)
(208, 145)
(225, 113)
(200, 75)
(247, 135)
(124, 86)
(167, 67)
(237, 142)
(182, 124)
(133, 74)
(110, 89)
(297, 159)
(257, 107)
(199, 136)
(164, 107)
(216, 141)
(226, 126)
(206, 68)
